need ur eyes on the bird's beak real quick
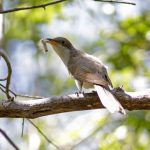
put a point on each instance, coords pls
(51, 41)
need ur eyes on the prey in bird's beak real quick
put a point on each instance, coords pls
(42, 45)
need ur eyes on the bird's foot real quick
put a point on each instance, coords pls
(78, 93)
(94, 92)
(118, 89)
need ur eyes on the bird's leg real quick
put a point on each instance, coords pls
(94, 91)
(79, 86)
(81, 92)
(77, 93)
(118, 89)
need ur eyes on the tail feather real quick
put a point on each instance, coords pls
(108, 100)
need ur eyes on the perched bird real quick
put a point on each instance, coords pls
(87, 70)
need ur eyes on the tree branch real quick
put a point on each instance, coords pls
(53, 105)
(56, 2)
(119, 2)
(32, 7)
(47, 139)
(8, 78)
(9, 140)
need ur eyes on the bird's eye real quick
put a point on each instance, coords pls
(63, 42)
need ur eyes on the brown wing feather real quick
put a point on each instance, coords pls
(82, 75)
(87, 68)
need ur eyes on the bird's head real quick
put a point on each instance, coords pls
(62, 46)
(59, 43)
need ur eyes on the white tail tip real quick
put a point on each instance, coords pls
(108, 100)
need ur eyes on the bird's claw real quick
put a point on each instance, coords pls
(94, 92)
(78, 93)
(11, 98)
(118, 89)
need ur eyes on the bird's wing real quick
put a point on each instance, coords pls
(84, 74)
(89, 69)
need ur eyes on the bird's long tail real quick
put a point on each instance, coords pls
(108, 100)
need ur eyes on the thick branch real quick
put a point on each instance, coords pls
(53, 105)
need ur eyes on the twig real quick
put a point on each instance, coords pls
(19, 95)
(9, 69)
(48, 140)
(2, 86)
(32, 7)
(22, 127)
(9, 140)
(100, 127)
(56, 2)
(2, 90)
(106, 124)
(3, 79)
(112, 1)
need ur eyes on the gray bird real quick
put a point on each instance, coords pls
(87, 70)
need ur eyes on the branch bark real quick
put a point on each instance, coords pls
(60, 104)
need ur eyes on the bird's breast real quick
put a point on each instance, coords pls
(63, 53)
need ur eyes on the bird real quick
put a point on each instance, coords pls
(87, 70)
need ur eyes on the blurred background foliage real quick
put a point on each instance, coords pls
(118, 34)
